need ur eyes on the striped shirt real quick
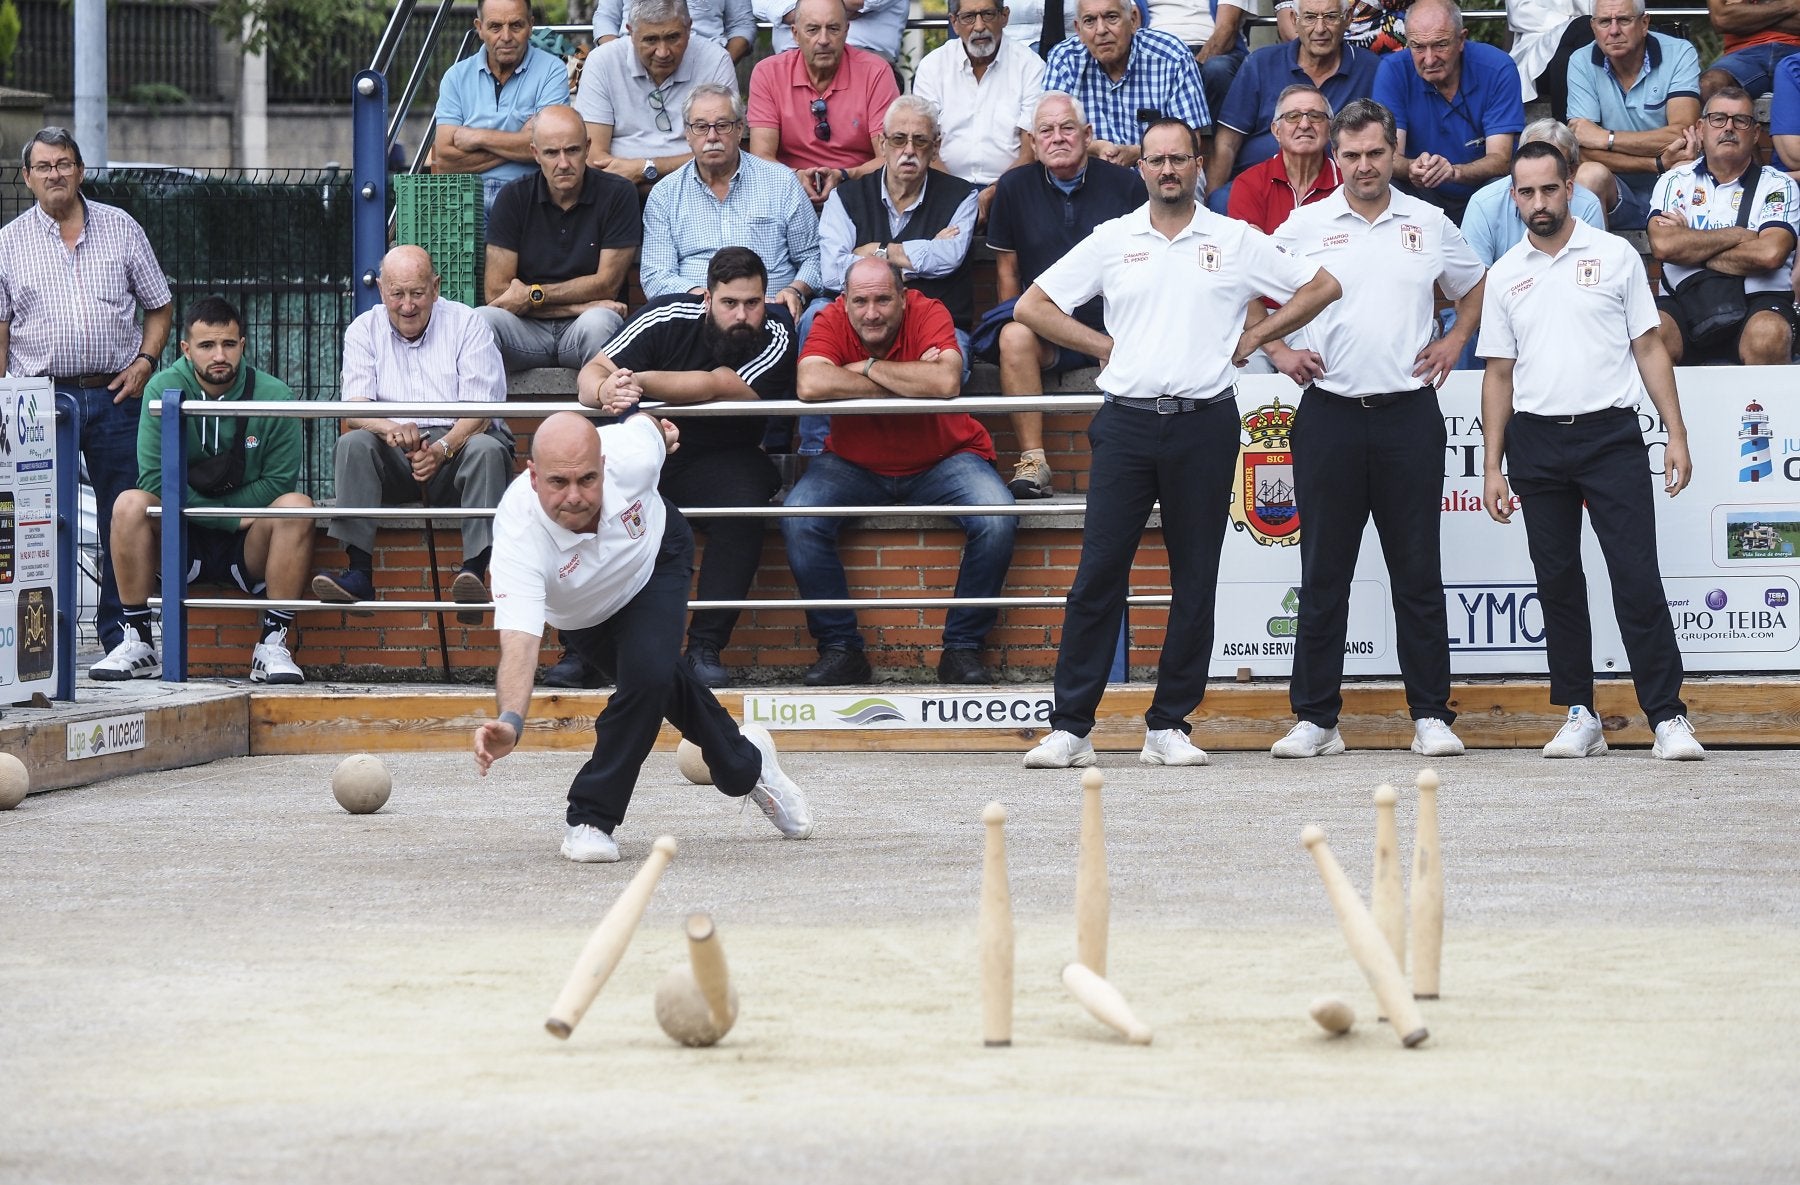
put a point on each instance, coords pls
(454, 361)
(764, 209)
(75, 312)
(1160, 76)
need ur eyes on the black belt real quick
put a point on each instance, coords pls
(1168, 405)
(1384, 399)
(84, 380)
(1586, 417)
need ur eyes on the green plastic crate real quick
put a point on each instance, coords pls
(445, 215)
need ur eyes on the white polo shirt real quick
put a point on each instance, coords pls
(1708, 205)
(1174, 308)
(980, 120)
(1569, 320)
(1370, 338)
(543, 572)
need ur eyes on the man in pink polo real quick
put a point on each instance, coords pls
(817, 108)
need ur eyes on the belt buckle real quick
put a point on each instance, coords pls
(1364, 400)
(1168, 405)
(1568, 419)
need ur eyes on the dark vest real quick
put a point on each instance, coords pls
(943, 194)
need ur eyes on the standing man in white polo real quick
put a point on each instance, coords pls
(1569, 332)
(1176, 278)
(1369, 437)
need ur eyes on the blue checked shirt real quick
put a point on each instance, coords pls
(764, 210)
(1160, 76)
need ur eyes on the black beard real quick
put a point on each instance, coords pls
(736, 346)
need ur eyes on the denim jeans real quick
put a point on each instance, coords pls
(109, 446)
(960, 480)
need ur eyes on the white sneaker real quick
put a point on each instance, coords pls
(271, 662)
(1675, 741)
(586, 844)
(1307, 739)
(133, 658)
(1062, 750)
(780, 799)
(1581, 736)
(1170, 746)
(1433, 738)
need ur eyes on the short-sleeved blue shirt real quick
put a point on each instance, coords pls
(1249, 106)
(1784, 112)
(1488, 103)
(467, 98)
(1492, 223)
(1671, 71)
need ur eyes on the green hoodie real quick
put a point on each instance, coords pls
(271, 450)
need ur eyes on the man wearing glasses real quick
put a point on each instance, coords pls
(1177, 279)
(1456, 104)
(486, 102)
(84, 336)
(1125, 78)
(632, 91)
(1699, 228)
(984, 87)
(1246, 134)
(1301, 173)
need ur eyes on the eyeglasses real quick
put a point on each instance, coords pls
(61, 168)
(1295, 118)
(659, 104)
(1439, 47)
(821, 125)
(1309, 19)
(1174, 160)
(1718, 119)
(969, 20)
(719, 127)
(900, 140)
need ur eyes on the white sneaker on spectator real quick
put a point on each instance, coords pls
(586, 844)
(780, 799)
(1307, 739)
(1433, 738)
(133, 658)
(1061, 750)
(1675, 741)
(1170, 746)
(271, 662)
(1580, 736)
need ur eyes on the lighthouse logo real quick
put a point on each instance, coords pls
(1753, 445)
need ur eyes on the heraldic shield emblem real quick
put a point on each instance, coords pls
(1263, 502)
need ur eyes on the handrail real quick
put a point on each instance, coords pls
(323, 408)
(885, 510)
(1038, 602)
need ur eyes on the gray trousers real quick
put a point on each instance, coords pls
(526, 342)
(372, 472)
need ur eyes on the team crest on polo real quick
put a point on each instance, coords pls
(1263, 503)
(633, 519)
(1412, 238)
(1209, 257)
(1587, 272)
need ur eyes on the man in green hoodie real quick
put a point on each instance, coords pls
(243, 462)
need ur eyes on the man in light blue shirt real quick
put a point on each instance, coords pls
(1631, 96)
(486, 102)
(875, 25)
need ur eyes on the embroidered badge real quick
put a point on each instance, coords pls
(568, 569)
(633, 519)
(1210, 257)
(1335, 241)
(1137, 257)
(1699, 195)
(1587, 272)
(1412, 238)
(1522, 287)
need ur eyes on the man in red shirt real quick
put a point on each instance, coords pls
(879, 341)
(1298, 175)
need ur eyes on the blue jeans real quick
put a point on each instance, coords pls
(1754, 68)
(963, 479)
(109, 446)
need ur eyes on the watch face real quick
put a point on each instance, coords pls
(651, 172)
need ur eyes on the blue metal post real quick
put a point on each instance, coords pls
(68, 539)
(369, 180)
(174, 538)
(1121, 669)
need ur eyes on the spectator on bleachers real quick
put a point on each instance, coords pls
(559, 246)
(1040, 211)
(1492, 224)
(1784, 117)
(486, 102)
(251, 462)
(1546, 34)
(726, 344)
(1125, 78)
(1457, 106)
(1757, 36)
(1040, 25)
(817, 108)
(984, 88)
(874, 25)
(878, 342)
(1378, 25)
(1725, 216)
(418, 346)
(1631, 95)
(1245, 135)
(915, 217)
(1301, 172)
(727, 197)
(728, 24)
(1214, 31)
(632, 92)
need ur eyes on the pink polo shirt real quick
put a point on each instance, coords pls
(781, 97)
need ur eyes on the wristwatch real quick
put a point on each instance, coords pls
(651, 172)
(537, 294)
(880, 252)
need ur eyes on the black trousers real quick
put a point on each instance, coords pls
(1600, 460)
(642, 642)
(1352, 463)
(723, 477)
(1189, 461)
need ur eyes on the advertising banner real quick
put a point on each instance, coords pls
(28, 592)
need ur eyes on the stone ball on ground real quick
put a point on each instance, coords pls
(691, 764)
(15, 781)
(1333, 1015)
(682, 1011)
(361, 784)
